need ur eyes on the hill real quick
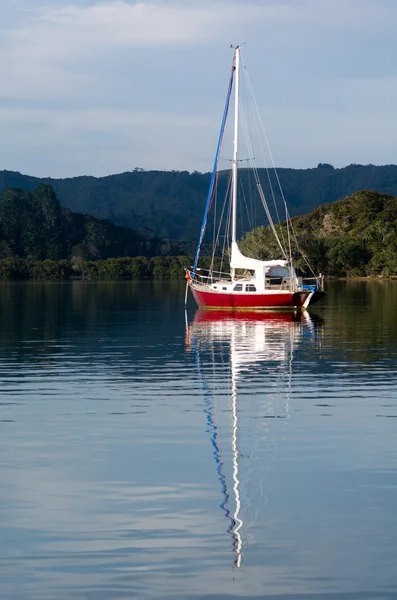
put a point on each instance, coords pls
(171, 203)
(356, 236)
(34, 226)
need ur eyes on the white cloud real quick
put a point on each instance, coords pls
(65, 32)
(58, 52)
(139, 72)
(68, 31)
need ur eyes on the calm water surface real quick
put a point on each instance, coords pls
(145, 456)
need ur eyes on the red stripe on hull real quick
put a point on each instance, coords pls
(280, 299)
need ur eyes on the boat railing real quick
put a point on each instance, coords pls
(204, 276)
(311, 283)
(292, 284)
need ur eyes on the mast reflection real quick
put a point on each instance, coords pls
(227, 347)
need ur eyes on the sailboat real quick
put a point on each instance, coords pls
(250, 283)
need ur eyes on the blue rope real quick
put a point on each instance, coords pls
(214, 170)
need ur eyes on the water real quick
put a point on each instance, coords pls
(235, 457)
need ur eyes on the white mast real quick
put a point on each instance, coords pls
(235, 146)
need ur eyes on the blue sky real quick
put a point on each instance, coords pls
(99, 88)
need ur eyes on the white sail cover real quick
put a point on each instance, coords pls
(239, 261)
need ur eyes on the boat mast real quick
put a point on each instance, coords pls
(235, 147)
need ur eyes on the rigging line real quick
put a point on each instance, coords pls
(251, 198)
(300, 251)
(275, 202)
(274, 166)
(214, 237)
(216, 240)
(262, 195)
(297, 245)
(246, 206)
(245, 119)
(247, 138)
(214, 226)
(214, 171)
(265, 160)
(242, 120)
(273, 195)
(261, 192)
(220, 223)
(226, 239)
(222, 249)
(248, 129)
(221, 218)
(271, 221)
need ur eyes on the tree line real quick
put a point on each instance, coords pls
(170, 203)
(39, 239)
(126, 268)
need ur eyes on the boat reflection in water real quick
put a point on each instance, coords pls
(245, 363)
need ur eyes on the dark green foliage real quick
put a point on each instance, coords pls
(356, 236)
(136, 268)
(41, 240)
(325, 166)
(48, 270)
(13, 268)
(34, 226)
(170, 204)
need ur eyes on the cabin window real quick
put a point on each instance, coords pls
(238, 287)
(250, 288)
(224, 288)
(214, 287)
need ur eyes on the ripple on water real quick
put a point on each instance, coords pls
(235, 458)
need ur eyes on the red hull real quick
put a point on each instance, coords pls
(282, 299)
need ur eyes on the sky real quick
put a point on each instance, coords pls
(96, 88)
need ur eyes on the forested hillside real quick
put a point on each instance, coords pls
(356, 236)
(171, 203)
(34, 226)
(41, 239)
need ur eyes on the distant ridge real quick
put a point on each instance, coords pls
(170, 203)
